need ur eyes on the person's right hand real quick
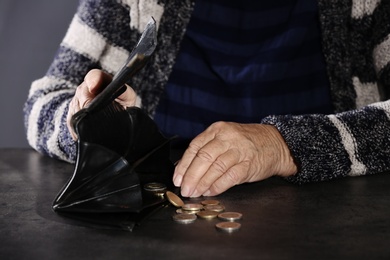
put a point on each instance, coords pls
(94, 82)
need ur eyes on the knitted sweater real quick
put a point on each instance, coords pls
(356, 43)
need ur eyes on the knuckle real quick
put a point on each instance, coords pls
(233, 177)
(220, 166)
(203, 184)
(190, 178)
(194, 147)
(219, 125)
(205, 155)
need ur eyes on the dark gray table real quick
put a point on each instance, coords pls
(343, 219)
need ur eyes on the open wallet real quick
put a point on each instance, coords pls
(120, 150)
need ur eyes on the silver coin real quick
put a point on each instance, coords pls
(184, 218)
(230, 216)
(228, 226)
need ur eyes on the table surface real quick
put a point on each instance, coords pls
(347, 218)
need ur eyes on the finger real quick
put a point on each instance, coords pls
(189, 155)
(233, 176)
(218, 168)
(72, 109)
(191, 152)
(83, 96)
(183, 164)
(127, 98)
(96, 80)
(200, 164)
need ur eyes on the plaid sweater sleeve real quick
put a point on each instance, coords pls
(101, 35)
(355, 142)
(92, 41)
(326, 147)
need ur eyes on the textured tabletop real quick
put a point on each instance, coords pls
(347, 218)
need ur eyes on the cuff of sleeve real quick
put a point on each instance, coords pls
(67, 145)
(315, 145)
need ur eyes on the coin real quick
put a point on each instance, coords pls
(159, 194)
(207, 214)
(230, 216)
(192, 206)
(184, 218)
(216, 208)
(181, 211)
(228, 226)
(155, 186)
(210, 202)
(174, 199)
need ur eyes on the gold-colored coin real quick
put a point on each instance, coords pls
(207, 214)
(155, 186)
(174, 199)
(230, 216)
(192, 206)
(216, 208)
(228, 226)
(210, 202)
(181, 211)
(159, 194)
(184, 218)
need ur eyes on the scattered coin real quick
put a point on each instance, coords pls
(181, 211)
(216, 208)
(206, 209)
(228, 226)
(230, 216)
(174, 199)
(207, 214)
(155, 186)
(184, 218)
(192, 207)
(210, 202)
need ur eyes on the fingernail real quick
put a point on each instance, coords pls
(177, 180)
(185, 191)
(195, 194)
(207, 193)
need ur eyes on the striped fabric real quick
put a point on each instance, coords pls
(243, 60)
(355, 39)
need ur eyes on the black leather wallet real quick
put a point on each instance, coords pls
(119, 151)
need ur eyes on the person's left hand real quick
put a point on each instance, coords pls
(227, 154)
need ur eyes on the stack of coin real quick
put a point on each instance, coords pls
(156, 188)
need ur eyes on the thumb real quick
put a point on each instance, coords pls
(96, 80)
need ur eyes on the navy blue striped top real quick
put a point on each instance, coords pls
(241, 60)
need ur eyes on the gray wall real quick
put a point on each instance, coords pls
(30, 32)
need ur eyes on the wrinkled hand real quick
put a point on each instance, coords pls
(94, 82)
(227, 154)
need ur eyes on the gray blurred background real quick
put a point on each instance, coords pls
(30, 32)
